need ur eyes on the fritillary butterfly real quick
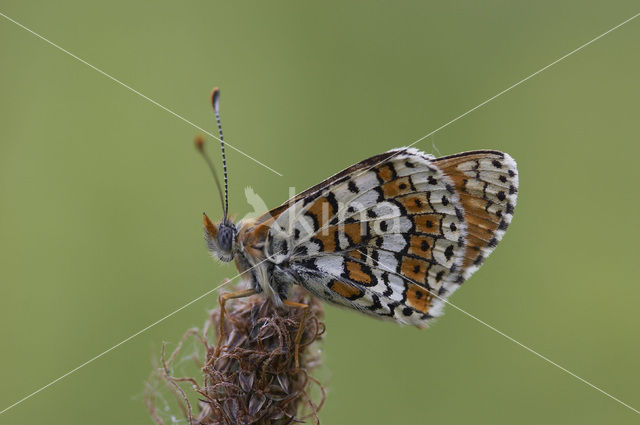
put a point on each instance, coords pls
(392, 236)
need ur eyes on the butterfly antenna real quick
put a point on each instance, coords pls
(215, 101)
(200, 147)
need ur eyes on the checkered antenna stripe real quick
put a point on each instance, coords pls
(215, 101)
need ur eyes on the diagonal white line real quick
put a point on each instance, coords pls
(130, 337)
(577, 49)
(531, 350)
(548, 360)
(480, 105)
(214, 289)
(114, 79)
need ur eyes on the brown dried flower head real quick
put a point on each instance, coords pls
(252, 378)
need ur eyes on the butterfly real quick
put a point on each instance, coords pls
(392, 236)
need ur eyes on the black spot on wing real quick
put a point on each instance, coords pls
(459, 214)
(376, 303)
(332, 201)
(448, 253)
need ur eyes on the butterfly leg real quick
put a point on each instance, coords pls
(305, 308)
(222, 299)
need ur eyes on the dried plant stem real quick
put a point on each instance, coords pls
(252, 377)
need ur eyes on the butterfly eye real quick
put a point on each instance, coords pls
(226, 236)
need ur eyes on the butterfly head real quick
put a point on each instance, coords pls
(221, 238)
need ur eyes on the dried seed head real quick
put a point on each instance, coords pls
(252, 378)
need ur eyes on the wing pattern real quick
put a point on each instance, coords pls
(393, 236)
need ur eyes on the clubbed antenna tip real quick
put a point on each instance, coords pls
(215, 98)
(199, 142)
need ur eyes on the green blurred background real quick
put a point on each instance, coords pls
(101, 194)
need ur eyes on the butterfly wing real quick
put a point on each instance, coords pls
(393, 236)
(487, 183)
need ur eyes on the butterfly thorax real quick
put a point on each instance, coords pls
(264, 275)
